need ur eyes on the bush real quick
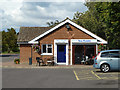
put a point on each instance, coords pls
(17, 61)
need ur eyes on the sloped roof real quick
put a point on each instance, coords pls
(67, 20)
(28, 33)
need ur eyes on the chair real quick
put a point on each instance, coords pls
(86, 62)
(50, 61)
(39, 61)
(83, 61)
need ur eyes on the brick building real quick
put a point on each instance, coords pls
(67, 42)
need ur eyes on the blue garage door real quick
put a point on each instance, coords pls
(61, 53)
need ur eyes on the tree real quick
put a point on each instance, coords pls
(4, 42)
(52, 24)
(109, 13)
(103, 19)
(9, 40)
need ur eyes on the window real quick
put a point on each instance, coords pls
(47, 49)
(44, 48)
(114, 54)
(61, 48)
(105, 54)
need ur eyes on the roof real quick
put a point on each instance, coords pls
(67, 20)
(28, 33)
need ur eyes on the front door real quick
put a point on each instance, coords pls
(61, 53)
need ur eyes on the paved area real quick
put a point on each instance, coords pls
(75, 76)
(53, 78)
(95, 75)
(8, 58)
(11, 64)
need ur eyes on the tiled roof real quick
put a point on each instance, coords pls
(28, 33)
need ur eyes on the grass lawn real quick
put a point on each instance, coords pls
(11, 53)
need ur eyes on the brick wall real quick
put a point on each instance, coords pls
(60, 33)
(63, 33)
(25, 53)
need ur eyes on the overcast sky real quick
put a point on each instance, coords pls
(17, 14)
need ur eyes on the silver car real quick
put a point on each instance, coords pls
(107, 60)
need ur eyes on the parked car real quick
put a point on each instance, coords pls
(107, 60)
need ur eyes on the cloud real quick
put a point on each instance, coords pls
(16, 14)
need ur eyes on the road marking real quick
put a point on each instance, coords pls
(95, 75)
(76, 75)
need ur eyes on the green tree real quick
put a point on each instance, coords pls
(109, 13)
(9, 40)
(52, 24)
(4, 42)
(103, 19)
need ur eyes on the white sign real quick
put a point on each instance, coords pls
(84, 40)
(61, 41)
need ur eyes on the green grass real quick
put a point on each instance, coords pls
(11, 53)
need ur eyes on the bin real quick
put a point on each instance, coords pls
(30, 61)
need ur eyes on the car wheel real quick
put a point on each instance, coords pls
(105, 68)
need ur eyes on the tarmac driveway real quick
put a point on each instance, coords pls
(79, 76)
(56, 78)
(8, 58)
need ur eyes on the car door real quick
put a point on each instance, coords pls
(105, 58)
(114, 57)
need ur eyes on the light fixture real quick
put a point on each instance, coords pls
(67, 26)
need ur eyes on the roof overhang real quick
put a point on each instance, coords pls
(34, 41)
(27, 42)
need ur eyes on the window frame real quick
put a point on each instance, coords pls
(109, 56)
(111, 52)
(46, 49)
(105, 56)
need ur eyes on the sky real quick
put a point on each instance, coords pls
(19, 13)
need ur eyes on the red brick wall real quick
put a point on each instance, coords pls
(63, 33)
(25, 53)
(60, 33)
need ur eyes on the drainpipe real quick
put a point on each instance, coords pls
(31, 51)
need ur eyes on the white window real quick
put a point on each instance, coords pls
(46, 49)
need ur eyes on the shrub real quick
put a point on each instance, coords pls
(36, 48)
(17, 61)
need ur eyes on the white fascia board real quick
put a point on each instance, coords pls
(86, 31)
(102, 42)
(52, 29)
(33, 42)
(74, 24)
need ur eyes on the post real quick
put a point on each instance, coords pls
(96, 49)
(31, 51)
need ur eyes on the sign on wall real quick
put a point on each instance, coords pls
(84, 40)
(61, 41)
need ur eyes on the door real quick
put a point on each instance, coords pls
(61, 53)
(78, 54)
(111, 58)
(114, 57)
